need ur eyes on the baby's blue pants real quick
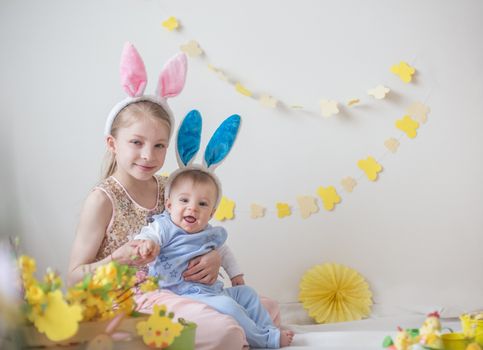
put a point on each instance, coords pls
(243, 304)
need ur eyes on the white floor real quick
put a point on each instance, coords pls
(358, 335)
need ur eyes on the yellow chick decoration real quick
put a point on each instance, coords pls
(59, 320)
(430, 332)
(403, 340)
(159, 331)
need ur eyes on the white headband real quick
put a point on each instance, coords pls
(134, 79)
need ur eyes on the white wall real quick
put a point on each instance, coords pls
(416, 234)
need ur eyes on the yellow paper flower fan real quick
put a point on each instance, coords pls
(335, 293)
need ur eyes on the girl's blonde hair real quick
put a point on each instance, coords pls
(128, 115)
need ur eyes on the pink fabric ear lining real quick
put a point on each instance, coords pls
(133, 72)
(173, 76)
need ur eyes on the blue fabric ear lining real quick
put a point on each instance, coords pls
(189, 135)
(222, 140)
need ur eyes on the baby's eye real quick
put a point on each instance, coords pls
(183, 200)
(203, 204)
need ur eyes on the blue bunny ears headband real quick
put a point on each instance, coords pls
(188, 144)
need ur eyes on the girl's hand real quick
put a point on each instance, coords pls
(204, 269)
(128, 254)
(237, 281)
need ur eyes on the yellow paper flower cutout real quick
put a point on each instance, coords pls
(353, 102)
(404, 71)
(348, 183)
(379, 92)
(225, 209)
(371, 167)
(408, 125)
(218, 72)
(308, 206)
(59, 320)
(328, 108)
(283, 209)
(392, 144)
(335, 293)
(243, 90)
(419, 111)
(329, 197)
(268, 101)
(171, 24)
(256, 211)
(192, 48)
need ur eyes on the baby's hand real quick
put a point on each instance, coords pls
(237, 281)
(148, 250)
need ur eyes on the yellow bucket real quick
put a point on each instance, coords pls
(472, 327)
(455, 341)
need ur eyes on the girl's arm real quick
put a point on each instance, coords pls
(94, 219)
(230, 264)
(204, 269)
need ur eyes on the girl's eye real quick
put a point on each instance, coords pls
(136, 142)
(160, 145)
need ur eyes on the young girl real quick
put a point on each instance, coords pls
(137, 131)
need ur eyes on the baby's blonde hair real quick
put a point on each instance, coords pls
(197, 177)
(128, 115)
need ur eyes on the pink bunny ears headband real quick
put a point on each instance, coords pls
(134, 78)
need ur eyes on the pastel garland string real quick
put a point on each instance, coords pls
(329, 196)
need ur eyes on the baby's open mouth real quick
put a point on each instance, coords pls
(190, 219)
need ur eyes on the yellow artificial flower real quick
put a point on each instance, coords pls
(335, 293)
(53, 279)
(35, 295)
(26, 264)
(105, 274)
(149, 285)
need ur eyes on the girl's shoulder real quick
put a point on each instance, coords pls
(97, 206)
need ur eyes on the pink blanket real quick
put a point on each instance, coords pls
(215, 330)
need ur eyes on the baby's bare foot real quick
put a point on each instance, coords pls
(286, 338)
